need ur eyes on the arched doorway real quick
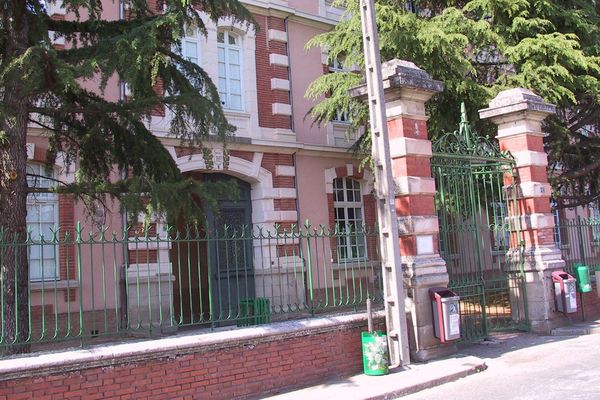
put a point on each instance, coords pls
(213, 262)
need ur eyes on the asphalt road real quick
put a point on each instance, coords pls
(524, 367)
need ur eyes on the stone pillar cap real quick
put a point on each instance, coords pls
(402, 74)
(517, 100)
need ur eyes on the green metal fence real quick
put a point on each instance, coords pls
(86, 284)
(579, 241)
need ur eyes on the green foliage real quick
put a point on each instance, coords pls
(478, 48)
(65, 91)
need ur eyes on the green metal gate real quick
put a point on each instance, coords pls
(481, 244)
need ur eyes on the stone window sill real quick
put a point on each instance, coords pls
(53, 285)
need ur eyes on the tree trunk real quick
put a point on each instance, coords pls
(14, 269)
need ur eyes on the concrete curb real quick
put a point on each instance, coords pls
(576, 330)
(431, 383)
(412, 379)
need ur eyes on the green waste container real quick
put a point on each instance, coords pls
(375, 353)
(254, 312)
(584, 282)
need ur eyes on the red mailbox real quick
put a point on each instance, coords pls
(565, 292)
(446, 313)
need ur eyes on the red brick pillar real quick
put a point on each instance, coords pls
(519, 114)
(407, 89)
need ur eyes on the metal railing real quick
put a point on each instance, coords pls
(579, 242)
(86, 284)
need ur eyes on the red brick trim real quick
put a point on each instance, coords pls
(416, 204)
(407, 127)
(159, 110)
(411, 166)
(270, 161)
(284, 204)
(265, 71)
(522, 143)
(244, 155)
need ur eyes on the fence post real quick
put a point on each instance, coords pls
(580, 237)
(519, 114)
(78, 240)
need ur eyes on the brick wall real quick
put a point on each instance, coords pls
(591, 303)
(240, 369)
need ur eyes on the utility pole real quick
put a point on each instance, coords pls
(395, 314)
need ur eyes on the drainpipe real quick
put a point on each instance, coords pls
(122, 9)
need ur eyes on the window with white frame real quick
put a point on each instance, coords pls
(348, 217)
(42, 221)
(190, 45)
(230, 69)
(337, 65)
(559, 238)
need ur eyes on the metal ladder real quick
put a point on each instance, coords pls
(384, 189)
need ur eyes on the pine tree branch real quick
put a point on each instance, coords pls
(570, 175)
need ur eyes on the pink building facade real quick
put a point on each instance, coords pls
(290, 171)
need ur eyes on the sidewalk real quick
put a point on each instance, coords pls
(411, 379)
(470, 359)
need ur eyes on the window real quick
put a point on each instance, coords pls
(190, 46)
(348, 216)
(329, 11)
(337, 65)
(595, 222)
(42, 219)
(230, 69)
(559, 237)
(341, 117)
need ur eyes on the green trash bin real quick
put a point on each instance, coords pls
(584, 282)
(375, 353)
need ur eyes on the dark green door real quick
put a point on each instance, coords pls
(231, 254)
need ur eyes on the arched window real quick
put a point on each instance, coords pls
(42, 220)
(230, 69)
(348, 216)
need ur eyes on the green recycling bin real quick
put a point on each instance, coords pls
(584, 282)
(375, 353)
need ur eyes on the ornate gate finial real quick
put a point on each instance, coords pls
(465, 141)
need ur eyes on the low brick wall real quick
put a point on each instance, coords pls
(244, 363)
(591, 303)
